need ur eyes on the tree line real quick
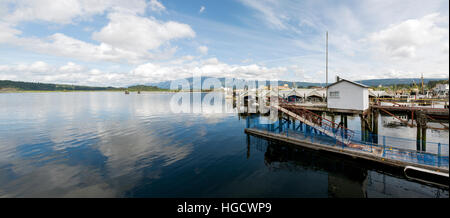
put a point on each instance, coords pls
(36, 86)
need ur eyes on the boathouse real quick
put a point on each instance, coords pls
(346, 94)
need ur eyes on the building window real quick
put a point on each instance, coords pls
(334, 94)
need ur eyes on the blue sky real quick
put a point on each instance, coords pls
(112, 42)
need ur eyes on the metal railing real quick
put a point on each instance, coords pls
(319, 122)
(387, 147)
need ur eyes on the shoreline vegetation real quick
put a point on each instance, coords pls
(8, 86)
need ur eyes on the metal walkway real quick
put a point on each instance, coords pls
(321, 124)
(331, 136)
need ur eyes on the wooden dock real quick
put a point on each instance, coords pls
(434, 112)
(346, 139)
(375, 156)
(322, 109)
(336, 138)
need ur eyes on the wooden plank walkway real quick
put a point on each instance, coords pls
(429, 111)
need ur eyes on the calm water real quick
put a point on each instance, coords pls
(107, 144)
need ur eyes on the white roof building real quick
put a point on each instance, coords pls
(441, 88)
(380, 94)
(301, 93)
(345, 94)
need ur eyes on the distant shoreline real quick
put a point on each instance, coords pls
(48, 91)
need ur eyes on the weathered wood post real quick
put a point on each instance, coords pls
(345, 121)
(421, 121)
(439, 154)
(280, 123)
(333, 120)
(424, 132)
(375, 125)
(345, 125)
(367, 126)
(363, 131)
(419, 130)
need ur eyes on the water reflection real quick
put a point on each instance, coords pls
(107, 144)
(345, 178)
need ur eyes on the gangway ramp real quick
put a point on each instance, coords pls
(327, 127)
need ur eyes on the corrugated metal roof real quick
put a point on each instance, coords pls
(344, 80)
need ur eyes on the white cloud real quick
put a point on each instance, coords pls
(7, 33)
(65, 11)
(71, 67)
(139, 34)
(39, 66)
(202, 8)
(366, 39)
(61, 45)
(268, 12)
(70, 73)
(203, 50)
(403, 40)
(155, 5)
(73, 73)
(126, 38)
(211, 67)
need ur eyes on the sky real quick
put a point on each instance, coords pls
(121, 43)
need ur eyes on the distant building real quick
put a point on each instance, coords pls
(379, 94)
(345, 94)
(441, 89)
(284, 87)
(317, 95)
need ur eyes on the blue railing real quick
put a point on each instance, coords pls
(388, 147)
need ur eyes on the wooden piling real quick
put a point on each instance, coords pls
(375, 125)
(363, 129)
(345, 121)
(418, 137)
(333, 120)
(424, 133)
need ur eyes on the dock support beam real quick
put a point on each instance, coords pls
(280, 123)
(375, 125)
(424, 138)
(333, 120)
(418, 136)
(363, 127)
(421, 121)
(345, 122)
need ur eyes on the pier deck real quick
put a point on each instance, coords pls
(435, 112)
(324, 108)
(388, 156)
(299, 126)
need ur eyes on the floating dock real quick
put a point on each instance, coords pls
(299, 126)
(354, 151)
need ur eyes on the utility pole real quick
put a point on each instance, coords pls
(423, 90)
(327, 63)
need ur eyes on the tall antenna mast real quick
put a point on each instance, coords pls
(327, 63)
(423, 90)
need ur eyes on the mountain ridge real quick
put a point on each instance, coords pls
(165, 85)
(370, 82)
